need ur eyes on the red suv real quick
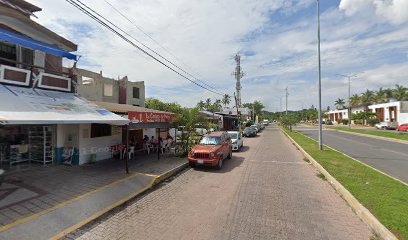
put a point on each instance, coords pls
(212, 150)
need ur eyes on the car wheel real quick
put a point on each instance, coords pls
(192, 165)
(230, 154)
(220, 162)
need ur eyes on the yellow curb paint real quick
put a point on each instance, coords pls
(100, 213)
(60, 205)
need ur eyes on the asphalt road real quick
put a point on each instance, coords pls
(266, 191)
(386, 156)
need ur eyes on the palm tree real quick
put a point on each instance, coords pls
(208, 104)
(380, 96)
(226, 99)
(367, 98)
(388, 93)
(217, 106)
(339, 103)
(354, 100)
(201, 105)
(400, 92)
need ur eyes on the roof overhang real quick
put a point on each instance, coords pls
(21, 105)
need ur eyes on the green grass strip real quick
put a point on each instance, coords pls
(384, 197)
(400, 136)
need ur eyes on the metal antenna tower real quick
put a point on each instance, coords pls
(238, 73)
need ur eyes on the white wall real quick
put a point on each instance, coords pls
(66, 133)
(99, 145)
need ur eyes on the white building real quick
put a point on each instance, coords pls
(393, 112)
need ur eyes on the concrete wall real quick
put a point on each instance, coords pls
(136, 101)
(95, 90)
(67, 136)
(99, 146)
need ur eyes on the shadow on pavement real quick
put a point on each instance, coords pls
(228, 165)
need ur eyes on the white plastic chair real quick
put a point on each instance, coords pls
(131, 152)
(67, 155)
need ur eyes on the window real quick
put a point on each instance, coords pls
(8, 54)
(136, 92)
(100, 130)
(27, 57)
(107, 90)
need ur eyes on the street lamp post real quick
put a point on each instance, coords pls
(349, 95)
(320, 82)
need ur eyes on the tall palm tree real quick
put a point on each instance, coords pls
(201, 105)
(208, 104)
(226, 99)
(354, 100)
(217, 106)
(339, 103)
(388, 93)
(400, 92)
(380, 96)
(367, 98)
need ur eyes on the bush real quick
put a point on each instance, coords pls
(358, 122)
(344, 121)
(372, 122)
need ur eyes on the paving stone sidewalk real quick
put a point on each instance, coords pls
(36, 188)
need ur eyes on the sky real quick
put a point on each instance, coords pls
(277, 40)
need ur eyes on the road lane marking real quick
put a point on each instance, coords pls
(281, 162)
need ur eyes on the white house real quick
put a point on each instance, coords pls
(391, 112)
(337, 115)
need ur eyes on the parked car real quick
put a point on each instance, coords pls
(403, 127)
(249, 132)
(255, 127)
(382, 125)
(237, 140)
(212, 150)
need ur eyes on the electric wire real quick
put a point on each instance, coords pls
(110, 28)
(161, 46)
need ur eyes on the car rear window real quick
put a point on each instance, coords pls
(210, 141)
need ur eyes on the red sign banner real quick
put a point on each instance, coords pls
(150, 117)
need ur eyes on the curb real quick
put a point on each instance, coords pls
(362, 212)
(153, 183)
(372, 136)
(170, 173)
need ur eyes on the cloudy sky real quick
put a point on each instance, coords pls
(276, 38)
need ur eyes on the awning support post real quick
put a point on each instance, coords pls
(127, 150)
(158, 145)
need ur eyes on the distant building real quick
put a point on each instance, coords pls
(95, 87)
(245, 112)
(393, 112)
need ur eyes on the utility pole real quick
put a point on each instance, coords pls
(238, 73)
(238, 114)
(287, 94)
(320, 79)
(349, 95)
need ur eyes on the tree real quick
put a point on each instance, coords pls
(367, 98)
(399, 92)
(339, 103)
(257, 106)
(201, 105)
(156, 104)
(354, 100)
(380, 96)
(208, 103)
(226, 99)
(188, 119)
(289, 121)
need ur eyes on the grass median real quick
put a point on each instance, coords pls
(384, 197)
(396, 135)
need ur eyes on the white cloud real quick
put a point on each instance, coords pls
(394, 11)
(207, 34)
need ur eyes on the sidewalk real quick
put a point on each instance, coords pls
(39, 202)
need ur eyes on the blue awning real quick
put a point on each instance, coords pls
(28, 42)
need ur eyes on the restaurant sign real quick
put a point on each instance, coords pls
(150, 117)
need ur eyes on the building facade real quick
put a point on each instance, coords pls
(392, 112)
(95, 87)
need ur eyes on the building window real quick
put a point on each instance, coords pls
(136, 92)
(107, 90)
(8, 54)
(27, 57)
(100, 130)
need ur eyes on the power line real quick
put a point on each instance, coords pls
(145, 45)
(82, 9)
(161, 46)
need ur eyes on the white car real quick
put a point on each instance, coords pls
(237, 140)
(382, 125)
